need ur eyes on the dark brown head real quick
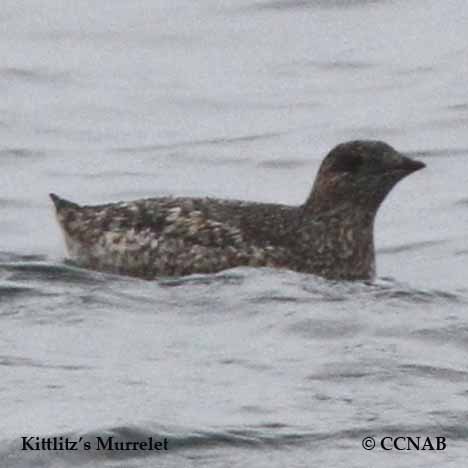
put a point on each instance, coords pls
(359, 174)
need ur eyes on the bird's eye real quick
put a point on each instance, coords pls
(348, 163)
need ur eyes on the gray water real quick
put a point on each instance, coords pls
(113, 100)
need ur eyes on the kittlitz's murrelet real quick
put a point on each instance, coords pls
(330, 235)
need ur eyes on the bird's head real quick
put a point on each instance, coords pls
(359, 174)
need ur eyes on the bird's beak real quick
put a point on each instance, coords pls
(409, 165)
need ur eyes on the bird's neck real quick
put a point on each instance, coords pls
(345, 236)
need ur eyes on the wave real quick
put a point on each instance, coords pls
(26, 275)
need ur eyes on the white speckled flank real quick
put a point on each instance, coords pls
(331, 234)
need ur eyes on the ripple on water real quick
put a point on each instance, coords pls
(32, 75)
(410, 246)
(16, 361)
(255, 286)
(9, 291)
(284, 5)
(235, 140)
(395, 291)
(437, 153)
(13, 154)
(456, 334)
(36, 268)
(434, 372)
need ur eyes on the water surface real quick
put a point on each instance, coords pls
(262, 368)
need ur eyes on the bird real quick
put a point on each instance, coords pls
(330, 235)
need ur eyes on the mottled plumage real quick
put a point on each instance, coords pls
(330, 235)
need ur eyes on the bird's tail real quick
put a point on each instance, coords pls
(61, 203)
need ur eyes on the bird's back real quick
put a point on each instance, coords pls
(176, 236)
